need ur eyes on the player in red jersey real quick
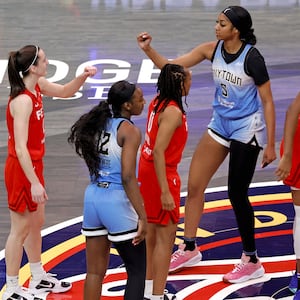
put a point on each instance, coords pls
(288, 170)
(165, 138)
(24, 179)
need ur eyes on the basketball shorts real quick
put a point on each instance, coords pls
(293, 180)
(151, 193)
(248, 130)
(18, 186)
(108, 211)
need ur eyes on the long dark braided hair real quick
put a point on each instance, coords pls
(86, 131)
(170, 86)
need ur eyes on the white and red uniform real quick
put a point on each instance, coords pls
(293, 180)
(17, 185)
(149, 187)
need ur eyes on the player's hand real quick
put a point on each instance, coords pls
(144, 39)
(269, 155)
(167, 201)
(90, 71)
(38, 193)
(284, 167)
(141, 233)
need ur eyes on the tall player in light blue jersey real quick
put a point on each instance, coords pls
(113, 210)
(243, 106)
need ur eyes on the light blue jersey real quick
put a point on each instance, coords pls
(107, 209)
(236, 93)
(110, 152)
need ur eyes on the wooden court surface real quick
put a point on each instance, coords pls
(73, 33)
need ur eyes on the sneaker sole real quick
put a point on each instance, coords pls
(258, 273)
(54, 291)
(189, 263)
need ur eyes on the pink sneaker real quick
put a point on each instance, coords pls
(244, 271)
(181, 259)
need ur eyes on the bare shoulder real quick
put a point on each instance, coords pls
(128, 129)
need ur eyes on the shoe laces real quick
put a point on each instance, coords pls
(176, 255)
(51, 277)
(238, 267)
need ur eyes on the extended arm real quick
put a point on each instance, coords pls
(65, 90)
(192, 58)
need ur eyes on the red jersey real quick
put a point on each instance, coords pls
(36, 132)
(293, 179)
(177, 143)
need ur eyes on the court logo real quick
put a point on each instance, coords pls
(218, 240)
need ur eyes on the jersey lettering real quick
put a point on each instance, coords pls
(103, 141)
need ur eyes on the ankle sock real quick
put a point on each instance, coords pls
(37, 270)
(148, 288)
(189, 244)
(12, 282)
(157, 297)
(253, 259)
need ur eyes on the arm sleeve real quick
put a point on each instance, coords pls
(255, 67)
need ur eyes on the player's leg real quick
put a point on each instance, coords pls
(206, 159)
(97, 259)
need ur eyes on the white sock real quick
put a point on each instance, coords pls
(36, 269)
(12, 282)
(296, 234)
(148, 288)
(157, 297)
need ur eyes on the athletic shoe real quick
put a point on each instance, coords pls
(169, 297)
(297, 296)
(19, 294)
(48, 283)
(293, 286)
(244, 271)
(181, 259)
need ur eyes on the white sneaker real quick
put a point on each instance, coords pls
(20, 293)
(48, 283)
(169, 297)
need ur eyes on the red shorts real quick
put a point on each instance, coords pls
(151, 193)
(18, 186)
(293, 180)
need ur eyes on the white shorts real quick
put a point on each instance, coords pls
(248, 130)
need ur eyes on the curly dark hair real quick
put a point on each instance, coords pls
(86, 131)
(170, 86)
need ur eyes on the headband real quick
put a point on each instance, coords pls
(127, 93)
(120, 92)
(35, 57)
(233, 17)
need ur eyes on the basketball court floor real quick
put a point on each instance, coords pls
(103, 33)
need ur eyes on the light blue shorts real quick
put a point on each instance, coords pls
(248, 130)
(108, 211)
